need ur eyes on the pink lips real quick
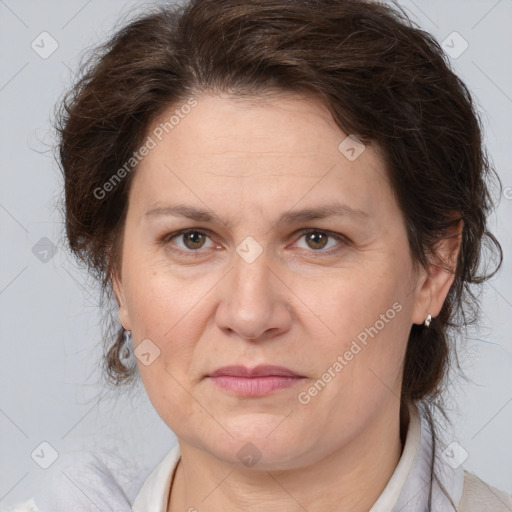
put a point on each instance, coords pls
(257, 381)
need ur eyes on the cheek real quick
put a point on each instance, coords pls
(364, 319)
(170, 311)
(346, 304)
(156, 296)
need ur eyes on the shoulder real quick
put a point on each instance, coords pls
(84, 480)
(26, 506)
(478, 496)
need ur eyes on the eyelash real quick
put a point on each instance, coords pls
(197, 253)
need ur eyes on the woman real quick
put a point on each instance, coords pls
(288, 200)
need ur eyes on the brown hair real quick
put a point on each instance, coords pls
(382, 78)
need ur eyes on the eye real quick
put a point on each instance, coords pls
(191, 240)
(319, 240)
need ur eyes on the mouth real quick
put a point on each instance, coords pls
(258, 381)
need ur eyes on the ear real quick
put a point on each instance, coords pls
(119, 293)
(434, 283)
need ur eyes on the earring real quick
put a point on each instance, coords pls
(126, 352)
(427, 320)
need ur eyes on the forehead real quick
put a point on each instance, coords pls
(279, 149)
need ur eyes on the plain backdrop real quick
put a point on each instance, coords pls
(50, 384)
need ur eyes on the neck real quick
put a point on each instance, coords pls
(349, 479)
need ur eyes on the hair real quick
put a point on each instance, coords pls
(381, 77)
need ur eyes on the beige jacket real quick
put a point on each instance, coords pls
(477, 496)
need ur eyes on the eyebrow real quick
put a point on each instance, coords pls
(290, 217)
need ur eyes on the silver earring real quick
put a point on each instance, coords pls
(427, 320)
(126, 351)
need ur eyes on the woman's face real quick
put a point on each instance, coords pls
(296, 256)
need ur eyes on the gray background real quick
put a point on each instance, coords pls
(50, 383)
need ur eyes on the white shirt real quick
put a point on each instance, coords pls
(107, 490)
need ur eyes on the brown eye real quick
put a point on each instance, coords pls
(193, 239)
(316, 239)
(189, 241)
(321, 242)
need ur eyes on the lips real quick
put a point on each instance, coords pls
(258, 371)
(254, 382)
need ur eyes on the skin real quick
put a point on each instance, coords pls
(249, 161)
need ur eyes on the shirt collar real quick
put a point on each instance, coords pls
(408, 488)
(410, 485)
(154, 493)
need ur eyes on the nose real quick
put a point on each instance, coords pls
(254, 302)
